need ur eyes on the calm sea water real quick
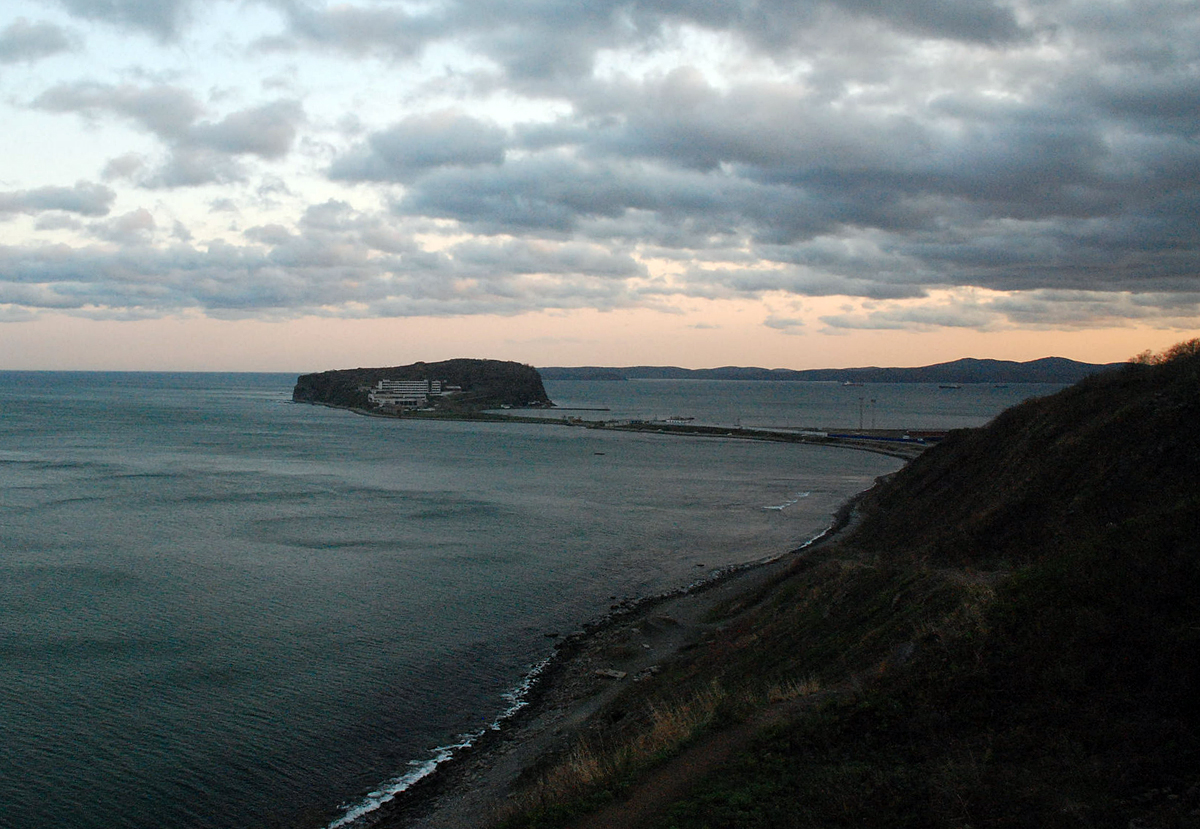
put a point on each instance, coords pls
(220, 609)
(792, 405)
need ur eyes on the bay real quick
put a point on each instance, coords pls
(221, 609)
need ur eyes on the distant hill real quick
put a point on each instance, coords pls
(968, 370)
(483, 384)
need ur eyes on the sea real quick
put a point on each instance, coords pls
(223, 610)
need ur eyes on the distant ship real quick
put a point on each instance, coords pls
(950, 386)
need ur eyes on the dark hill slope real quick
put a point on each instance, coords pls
(1010, 637)
(484, 383)
(1118, 446)
(1072, 696)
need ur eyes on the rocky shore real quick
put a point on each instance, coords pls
(590, 668)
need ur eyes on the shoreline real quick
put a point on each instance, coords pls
(459, 782)
(564, 690)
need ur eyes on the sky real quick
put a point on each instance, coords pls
(284, 185)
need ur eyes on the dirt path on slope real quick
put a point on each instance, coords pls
(654, 793)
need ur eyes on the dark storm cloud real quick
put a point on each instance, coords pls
(875, 149)
(201, 152)
(85, 199)
(25, 41)
(552, 40)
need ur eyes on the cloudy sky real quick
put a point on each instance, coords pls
(296, 185)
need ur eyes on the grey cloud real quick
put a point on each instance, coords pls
(800, 281)
(978, 21)
(133, 228)
(271, 188)
(539, 42)
(788, 325)
(420, 143)
(266, 131)
(555, 193)
(272, 234)
(1047, 309)
(57, 221)
(358, 30)
(202, 152)
(84, 198)
(162, 18)
(525, 257)
(1059, 308)
(194, 166)
(164, 110)
(14, 313)
(1062, 155)
(916, 318)
(317, 271)
(126, 166)
(25, 41)
(331, 214)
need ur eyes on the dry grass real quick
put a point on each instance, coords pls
(593, 766)
(791, 689)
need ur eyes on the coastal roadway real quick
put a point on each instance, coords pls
(896, 443)
(893, 442)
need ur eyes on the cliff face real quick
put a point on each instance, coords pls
(483, 383)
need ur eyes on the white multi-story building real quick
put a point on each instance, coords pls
(406, 393)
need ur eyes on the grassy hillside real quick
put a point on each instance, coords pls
(1010, 636)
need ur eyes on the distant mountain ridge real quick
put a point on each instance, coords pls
(967, 370)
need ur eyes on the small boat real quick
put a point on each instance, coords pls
(950, 386)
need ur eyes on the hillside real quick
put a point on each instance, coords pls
(969, 370)
(1008, 635)
(481, 383)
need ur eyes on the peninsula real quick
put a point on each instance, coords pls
(457, 386)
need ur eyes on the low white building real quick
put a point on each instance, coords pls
(407, 393)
